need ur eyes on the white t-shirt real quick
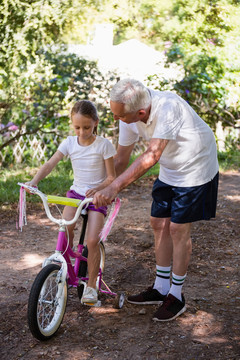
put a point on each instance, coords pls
(190, 157)
(87, 161)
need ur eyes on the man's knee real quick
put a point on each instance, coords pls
(159, 224)
(180, 231)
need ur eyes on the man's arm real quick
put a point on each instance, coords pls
(139, 167)
(121, 159)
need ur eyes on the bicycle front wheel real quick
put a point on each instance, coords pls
(46, 306)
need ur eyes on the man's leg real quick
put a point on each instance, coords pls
(163, 252)
(174, 303)
(163, 241)
(182, 247)
(172, 242)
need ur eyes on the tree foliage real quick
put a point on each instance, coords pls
(25, 28)
(198, 40)
(44, 107)
(39, 79)
(199, 35)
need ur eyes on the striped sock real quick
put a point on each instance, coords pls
(162, 281)
(177, 283)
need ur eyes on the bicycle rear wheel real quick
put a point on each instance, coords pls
(45, 310)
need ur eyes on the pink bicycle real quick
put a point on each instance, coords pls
(48, 297)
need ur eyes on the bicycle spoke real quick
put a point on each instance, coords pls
(48, 304)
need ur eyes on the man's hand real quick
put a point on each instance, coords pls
(104, 197)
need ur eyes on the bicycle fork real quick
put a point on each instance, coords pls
(58, 258)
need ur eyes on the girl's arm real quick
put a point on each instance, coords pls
(111, 175)
(46, 168)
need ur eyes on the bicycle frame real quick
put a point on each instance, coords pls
(63, 252)
(48, 296)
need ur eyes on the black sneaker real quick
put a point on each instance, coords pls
(149, 297)
(170, 309)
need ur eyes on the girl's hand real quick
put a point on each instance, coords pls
(91, 192)
(30, 183)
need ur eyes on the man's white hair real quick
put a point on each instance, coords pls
(132, 93)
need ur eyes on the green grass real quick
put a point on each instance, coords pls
(57, 183)
(60, 179)
(229, 160)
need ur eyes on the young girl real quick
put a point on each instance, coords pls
(93, 168)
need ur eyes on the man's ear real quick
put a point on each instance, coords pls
(142, 112)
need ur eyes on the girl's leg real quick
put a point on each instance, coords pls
(95, 224)
(68, 214)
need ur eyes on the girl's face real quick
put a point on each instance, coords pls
(84, 127)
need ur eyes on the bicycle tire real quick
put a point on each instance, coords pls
(82, 272)
(103, 254)
(45, 313)
(119, 300)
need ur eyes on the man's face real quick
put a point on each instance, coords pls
(119, 114)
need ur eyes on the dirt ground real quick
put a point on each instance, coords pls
(209, 329)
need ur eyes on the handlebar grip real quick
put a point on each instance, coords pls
(52, 199)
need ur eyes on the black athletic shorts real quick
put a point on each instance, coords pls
(185, 204)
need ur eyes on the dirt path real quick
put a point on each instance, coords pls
(210, 328)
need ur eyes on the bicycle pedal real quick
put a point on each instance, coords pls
(97, 304)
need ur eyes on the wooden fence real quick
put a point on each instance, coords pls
(36, 145)
(41, 145)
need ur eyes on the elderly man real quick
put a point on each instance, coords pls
(185, 190)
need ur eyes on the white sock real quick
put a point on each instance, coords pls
(162, 281)
(176, 287)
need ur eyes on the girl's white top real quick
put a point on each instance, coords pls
(190, 157)
(87, 161)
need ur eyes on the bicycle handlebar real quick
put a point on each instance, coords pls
(58, 200)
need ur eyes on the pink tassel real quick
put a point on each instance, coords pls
(22, 219)
(110, 220)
